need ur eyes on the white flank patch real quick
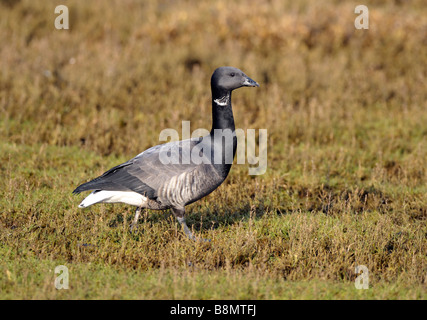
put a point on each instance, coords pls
(128, 197)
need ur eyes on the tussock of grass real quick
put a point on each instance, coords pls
(346, 178)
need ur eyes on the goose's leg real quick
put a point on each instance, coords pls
(187, 231)
(135, 219)
(179, 214)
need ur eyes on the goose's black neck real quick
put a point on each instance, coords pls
(223, 124)
(222, 112)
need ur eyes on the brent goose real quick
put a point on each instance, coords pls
(175, 174)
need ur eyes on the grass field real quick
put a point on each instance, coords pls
(346, 113)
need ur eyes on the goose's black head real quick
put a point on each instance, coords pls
(226, 79)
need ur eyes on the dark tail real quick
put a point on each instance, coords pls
(83, 187)
(100, 183)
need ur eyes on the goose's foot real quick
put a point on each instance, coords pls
(187, 231)
(134, 223)
(179, 214)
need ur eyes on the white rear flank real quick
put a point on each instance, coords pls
(128, 197)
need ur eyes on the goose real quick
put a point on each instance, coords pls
(176, 174)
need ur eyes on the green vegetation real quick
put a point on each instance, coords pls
(346, 116)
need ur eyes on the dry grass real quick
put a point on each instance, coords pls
(346, 116)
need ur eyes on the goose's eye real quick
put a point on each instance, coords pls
(232, 74)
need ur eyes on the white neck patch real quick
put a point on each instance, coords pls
(223, 101)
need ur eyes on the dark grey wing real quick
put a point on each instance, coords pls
(148, 171)
(117, 179)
